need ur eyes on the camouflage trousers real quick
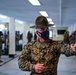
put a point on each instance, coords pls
(43, 73)
(0, 51)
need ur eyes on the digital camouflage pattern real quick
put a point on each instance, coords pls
(66, 38)
(66, 41)
(1, 46)
(45, 53)
(73, 39)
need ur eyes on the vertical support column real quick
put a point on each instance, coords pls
(12, 37)
(75, 27)
(25, 28)
(60, 13)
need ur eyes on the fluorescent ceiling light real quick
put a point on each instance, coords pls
(49, 19)
(3, 16)
(54, 26)
(43, 13)
(21, 22)
(34, 2)
(51, 22)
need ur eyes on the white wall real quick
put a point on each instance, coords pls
(56, 36)
(72, 28)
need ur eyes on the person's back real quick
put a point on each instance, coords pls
(66, 38)
(29, 36)
(1, 46)
(35, 36)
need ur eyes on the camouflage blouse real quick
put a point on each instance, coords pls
(45, 53)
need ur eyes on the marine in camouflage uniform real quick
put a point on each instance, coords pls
(46, 53)
(66, 38)
(73, 37)
(1, 43)
(29, 36)
(1, 46)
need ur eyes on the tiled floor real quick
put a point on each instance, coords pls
(66, 66)
(5, 59)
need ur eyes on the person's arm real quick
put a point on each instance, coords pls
(24, 60)
(66, 49)
(73, 46)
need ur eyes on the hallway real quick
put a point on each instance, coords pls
(66, 66)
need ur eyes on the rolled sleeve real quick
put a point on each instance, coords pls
(65, 49)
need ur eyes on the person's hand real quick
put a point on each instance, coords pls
(38, 67)
(73, 46)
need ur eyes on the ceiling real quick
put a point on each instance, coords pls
(62, 12)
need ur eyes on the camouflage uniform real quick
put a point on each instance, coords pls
(45, 53)
(73, 39)
(0, 46)
(66, 41)
(29, 36)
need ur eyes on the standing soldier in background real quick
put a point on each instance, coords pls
(41, 56)
(73, 37)
(1, 41)
(29, 36)
(35, 36)
(66, 38)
